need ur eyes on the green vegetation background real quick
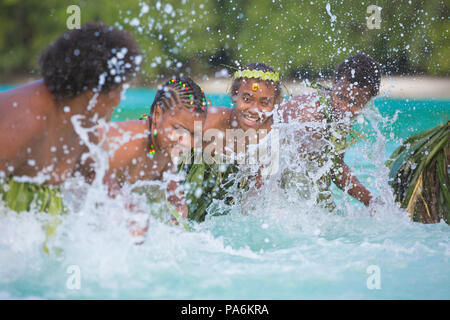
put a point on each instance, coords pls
(198, 36)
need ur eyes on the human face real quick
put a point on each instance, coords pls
(255, 102)
(175, 128)
(348, 99)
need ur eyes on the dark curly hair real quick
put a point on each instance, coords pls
(261, 67)
(362, 70)
(94, 57)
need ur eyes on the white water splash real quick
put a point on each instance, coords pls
(328, 8)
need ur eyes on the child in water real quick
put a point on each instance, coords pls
(154, 140)
(329, 116)
(38, 139)
(256, 90)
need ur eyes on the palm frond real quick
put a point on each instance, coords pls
(419, 169)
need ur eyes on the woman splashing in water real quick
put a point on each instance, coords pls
(157, 139)
(228, 132)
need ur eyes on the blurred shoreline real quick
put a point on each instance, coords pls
(394, 87)
(391, 86)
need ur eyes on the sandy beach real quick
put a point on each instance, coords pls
(395, 87)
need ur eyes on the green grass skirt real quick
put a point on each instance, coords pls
(160, 207)
(26, 196)
(205, 183)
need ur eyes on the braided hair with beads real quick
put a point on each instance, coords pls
(178, 90)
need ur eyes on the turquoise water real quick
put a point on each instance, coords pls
(283, 249)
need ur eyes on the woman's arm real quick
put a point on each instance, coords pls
(345, 178)
(175, 197)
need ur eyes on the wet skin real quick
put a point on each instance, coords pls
(38, 135)
(128, 142)
(130, 162)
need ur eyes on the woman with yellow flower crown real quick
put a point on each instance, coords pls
(256, 90)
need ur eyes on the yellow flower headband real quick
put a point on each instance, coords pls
(258, 74)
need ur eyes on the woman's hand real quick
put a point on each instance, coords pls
(175, 197)
(137, 227)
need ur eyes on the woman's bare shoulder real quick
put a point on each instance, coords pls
(217, 117)
(125, 141)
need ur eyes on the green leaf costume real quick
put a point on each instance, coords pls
(25, 196)
(205, 182)
(160, 207)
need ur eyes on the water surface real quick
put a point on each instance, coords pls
(283, 249)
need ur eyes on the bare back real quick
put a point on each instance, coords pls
(34, 137)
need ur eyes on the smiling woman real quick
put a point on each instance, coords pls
(255, 91)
